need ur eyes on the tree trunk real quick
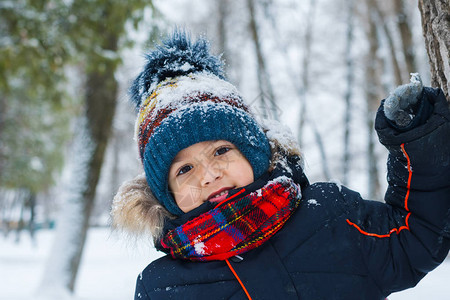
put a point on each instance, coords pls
(372, 88)
(304, 92)
(265, 86)
(390, 40)
(101, 98)
(223, 11)
(61, 264)
(21, 201)
(305, 69)
(406, 36)
(436, 31)
(87, 153)
(348, 92)
(116, 148)
(31, 222)
(2, 122)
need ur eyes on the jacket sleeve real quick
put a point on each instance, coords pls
(419, 163)
(404, 239)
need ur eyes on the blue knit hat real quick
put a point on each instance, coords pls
(183, 99)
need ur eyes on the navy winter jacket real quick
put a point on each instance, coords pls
(337, 245)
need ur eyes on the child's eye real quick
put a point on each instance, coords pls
(222, 150)
(184, 169)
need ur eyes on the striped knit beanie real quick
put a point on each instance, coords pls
(183, 99)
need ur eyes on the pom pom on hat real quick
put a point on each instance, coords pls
(183, 99)
(177, 56)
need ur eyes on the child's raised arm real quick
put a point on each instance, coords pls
(404, 240)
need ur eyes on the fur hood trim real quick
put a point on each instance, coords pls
(136, 210)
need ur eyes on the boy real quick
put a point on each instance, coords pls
(229, 203)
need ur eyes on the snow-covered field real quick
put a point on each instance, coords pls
(110, 267)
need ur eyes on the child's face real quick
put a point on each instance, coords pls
(206, 171)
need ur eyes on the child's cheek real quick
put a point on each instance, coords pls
(180, 181)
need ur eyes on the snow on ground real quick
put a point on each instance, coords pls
(110, 267)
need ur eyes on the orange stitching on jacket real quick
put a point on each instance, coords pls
(408, 187)
(237, 277)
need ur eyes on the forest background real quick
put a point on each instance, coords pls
(320, 67)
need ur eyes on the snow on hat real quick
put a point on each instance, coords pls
(183, 99)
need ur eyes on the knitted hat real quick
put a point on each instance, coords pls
(183, 99)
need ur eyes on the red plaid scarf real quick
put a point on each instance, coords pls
(237, 224)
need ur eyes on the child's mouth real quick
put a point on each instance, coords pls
(219, 196)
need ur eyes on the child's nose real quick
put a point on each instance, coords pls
(210, 173)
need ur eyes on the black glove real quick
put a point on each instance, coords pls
(403, 103)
